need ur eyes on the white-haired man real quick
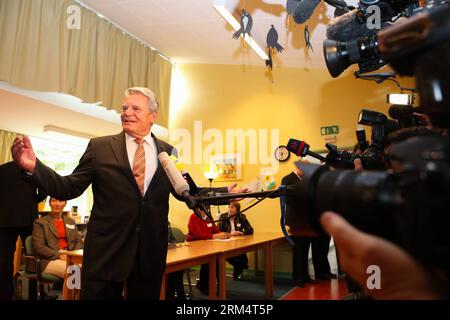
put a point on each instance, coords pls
(126, 239)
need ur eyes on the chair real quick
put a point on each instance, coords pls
(41, 278)
(180, 238)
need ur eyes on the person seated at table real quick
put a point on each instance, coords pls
(202, 229)
(53, 235)
(236, 224)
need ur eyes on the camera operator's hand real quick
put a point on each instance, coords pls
(358, 165)
(425, 119)
(402, 277)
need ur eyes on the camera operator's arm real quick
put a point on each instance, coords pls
(402, 277)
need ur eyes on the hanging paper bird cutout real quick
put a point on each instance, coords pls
(246, 25)
(272, 43)
(307, 39)
(272, 40)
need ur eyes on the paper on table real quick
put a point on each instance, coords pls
(229, 239)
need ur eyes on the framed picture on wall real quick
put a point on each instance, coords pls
(229, 166)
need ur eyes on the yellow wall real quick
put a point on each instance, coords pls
(297, 103)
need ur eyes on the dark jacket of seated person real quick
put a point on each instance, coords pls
(52, 235)
(234, 222)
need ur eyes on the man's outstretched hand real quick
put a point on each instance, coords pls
(23, 154)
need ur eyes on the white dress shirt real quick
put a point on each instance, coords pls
(232, 219)
(151, 158)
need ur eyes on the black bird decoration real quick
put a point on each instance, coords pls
(272, 43)
(246, 25)
(272, 40)
(307, 39)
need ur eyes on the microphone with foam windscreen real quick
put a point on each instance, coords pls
(400, 111)
(177, 181)
(301, 149)
(347, 27)
(304, 10)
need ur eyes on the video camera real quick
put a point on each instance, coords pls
(351, 42)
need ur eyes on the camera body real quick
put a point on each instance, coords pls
(373, 157)
(373, 52)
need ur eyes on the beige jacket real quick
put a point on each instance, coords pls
(45, 238)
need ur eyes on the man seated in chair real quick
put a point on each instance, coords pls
(53, 235)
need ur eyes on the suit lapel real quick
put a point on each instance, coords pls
(119, 148)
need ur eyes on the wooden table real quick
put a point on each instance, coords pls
(263, 241)
(206, 251)
(188, 255)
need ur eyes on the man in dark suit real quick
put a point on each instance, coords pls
(303, 238)
(18, 210)
(126, 239)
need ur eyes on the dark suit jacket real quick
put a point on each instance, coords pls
(123, 224)
(296, 211)
(18, 198)
(240, 224)
(45, 238)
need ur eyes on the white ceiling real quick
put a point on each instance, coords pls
(192, 31)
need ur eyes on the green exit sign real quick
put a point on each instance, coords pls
(325, 131)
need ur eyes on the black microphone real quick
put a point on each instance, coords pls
(400, 111)
(361, 137)
(305, 10)
(193, 189)
(347, 27)
(301, 149)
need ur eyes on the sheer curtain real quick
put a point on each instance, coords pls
(95, 63)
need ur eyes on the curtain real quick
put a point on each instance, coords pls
(95, 63)
(6, 141)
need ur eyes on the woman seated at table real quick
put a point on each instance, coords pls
(202, 229)
(53, 235)
(236, 224)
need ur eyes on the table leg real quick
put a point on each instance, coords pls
(65, 293)
(255, 258)
(222, 278)
(17, 256)
(162, 293)
(212, 279)
(268, 272)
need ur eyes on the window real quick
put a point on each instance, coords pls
(62, 155)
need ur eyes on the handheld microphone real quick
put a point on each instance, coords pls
(304, 10)
(179, 184)
(301, 149)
